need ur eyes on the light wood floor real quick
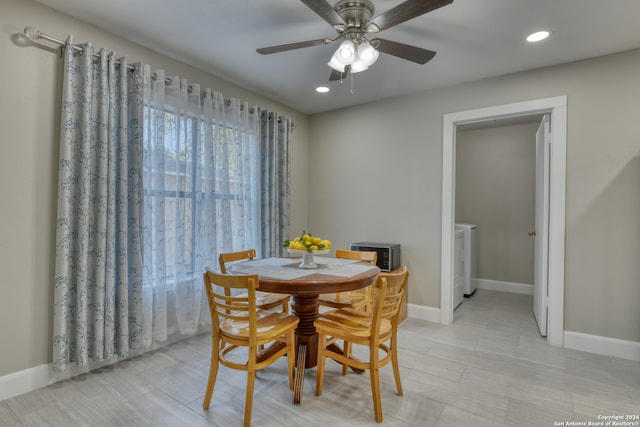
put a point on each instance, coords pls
(489, 368)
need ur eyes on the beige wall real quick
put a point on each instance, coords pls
(29, 130)
(376, 174)
(495, 189)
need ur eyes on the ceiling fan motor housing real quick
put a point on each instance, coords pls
(355, 14)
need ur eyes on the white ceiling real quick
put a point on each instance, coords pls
(474, 39)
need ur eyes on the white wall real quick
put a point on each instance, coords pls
(375, 174)
(29, 124)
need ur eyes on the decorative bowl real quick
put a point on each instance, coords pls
(307, 257)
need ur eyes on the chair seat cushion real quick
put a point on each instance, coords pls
(349, 324)
(269, 324)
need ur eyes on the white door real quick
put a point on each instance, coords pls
(541, 233)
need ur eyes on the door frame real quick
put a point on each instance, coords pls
(557, 108)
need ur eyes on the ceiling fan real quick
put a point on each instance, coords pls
(352, 19)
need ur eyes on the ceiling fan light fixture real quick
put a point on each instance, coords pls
(335, 63)
(367, 54)
(358, 66)
(346, 53)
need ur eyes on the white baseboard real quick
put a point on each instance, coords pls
(25, 381)
(423, 312)
(40, 376)
(497, 285)
(602, 345)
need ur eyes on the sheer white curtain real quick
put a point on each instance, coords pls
(201, 198)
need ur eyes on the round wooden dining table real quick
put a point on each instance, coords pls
(305, 292)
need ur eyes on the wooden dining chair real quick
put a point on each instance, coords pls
(264, 300)
(353, 299)
(236, 322)
(378, 330)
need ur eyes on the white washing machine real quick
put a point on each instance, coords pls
(470, 257)
(458, 268)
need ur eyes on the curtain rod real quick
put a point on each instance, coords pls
(33, 34)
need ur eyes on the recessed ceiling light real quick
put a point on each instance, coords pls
(322, 89)
(537, 36)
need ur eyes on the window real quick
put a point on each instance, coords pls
(200, 191)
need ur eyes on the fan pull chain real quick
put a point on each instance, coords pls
(351, 90)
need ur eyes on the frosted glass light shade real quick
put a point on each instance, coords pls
(367, 54)
(358, 66)
(346, 53)
(335, 64)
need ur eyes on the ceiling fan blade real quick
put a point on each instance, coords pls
(337, 75)
(404, 12)
(291, 46)
(324, 9)
(404, 51)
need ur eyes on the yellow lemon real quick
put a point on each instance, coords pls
(306, 241)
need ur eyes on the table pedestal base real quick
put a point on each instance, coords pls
(305, 307)
(299, 374)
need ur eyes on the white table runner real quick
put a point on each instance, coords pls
(281, 269)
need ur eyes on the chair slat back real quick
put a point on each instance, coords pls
(224, 306)
(388, 298)
(223, 259)
(380, 286)
(368, 256)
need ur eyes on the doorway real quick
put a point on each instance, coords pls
(499, 179)
(556, 108)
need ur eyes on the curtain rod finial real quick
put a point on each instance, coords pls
(32, 33)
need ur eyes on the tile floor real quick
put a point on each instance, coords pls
(489, 368)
